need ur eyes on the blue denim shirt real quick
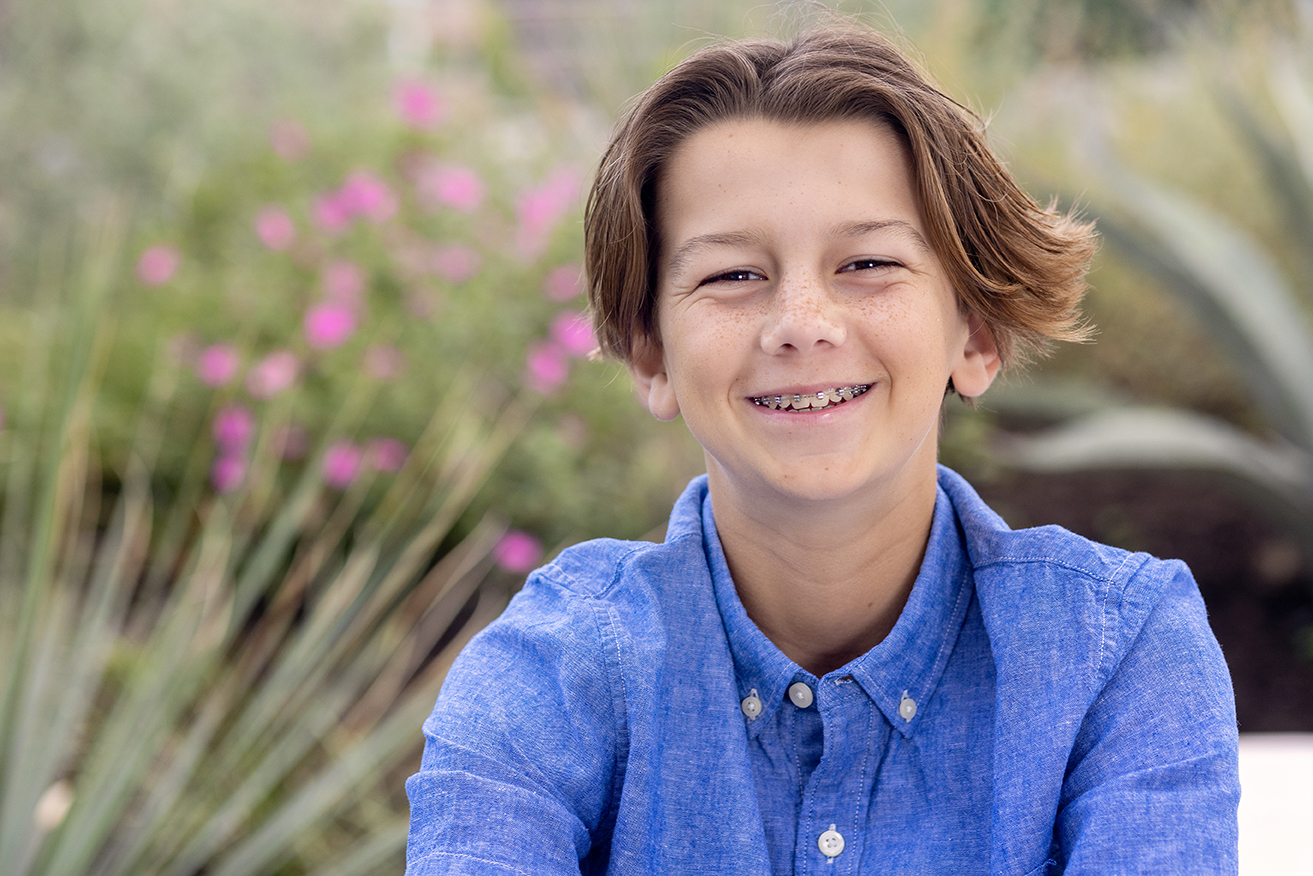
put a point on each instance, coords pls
(1044, 704)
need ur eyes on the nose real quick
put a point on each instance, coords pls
(804, 315)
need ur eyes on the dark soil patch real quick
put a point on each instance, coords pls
(1255, 579)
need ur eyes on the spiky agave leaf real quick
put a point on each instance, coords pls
(1253, 310)
(218, 717)
(1234, 287)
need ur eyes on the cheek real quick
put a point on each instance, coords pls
(914, 342)
(706, 341)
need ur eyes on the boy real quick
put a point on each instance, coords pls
(840, 660)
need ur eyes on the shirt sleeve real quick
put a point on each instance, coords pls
(1152, 784)
(520, 751)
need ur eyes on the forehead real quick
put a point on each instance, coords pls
(745, 178)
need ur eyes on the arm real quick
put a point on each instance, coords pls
(520, 750)
(1152, 783)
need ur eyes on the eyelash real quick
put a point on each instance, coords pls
(868, 264)
(740, 275)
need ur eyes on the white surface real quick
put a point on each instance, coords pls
(1276, 804)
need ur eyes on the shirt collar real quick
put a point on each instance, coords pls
(908, 663)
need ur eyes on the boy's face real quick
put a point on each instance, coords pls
(795, 261)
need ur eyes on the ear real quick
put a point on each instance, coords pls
(647, 365)
(980, 361)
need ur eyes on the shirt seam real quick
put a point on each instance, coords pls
(865, 791)
(1103, 673)
(1084, 571)
(615, 674)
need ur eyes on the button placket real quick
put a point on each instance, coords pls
(838, 789)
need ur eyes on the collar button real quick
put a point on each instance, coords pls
(800, 695)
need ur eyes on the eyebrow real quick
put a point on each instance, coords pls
(691, 247)
(851, 230)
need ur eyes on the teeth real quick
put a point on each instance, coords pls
(811, 401)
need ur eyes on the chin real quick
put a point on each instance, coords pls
(818, 484)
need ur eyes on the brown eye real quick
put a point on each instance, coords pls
(868, 265)
(738, 275)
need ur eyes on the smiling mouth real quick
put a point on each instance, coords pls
(812, 401)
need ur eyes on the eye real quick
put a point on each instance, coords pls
(869, 264)
(737, 275)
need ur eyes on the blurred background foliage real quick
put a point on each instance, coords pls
(294, 383)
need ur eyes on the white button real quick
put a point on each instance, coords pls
(751, 704)
(907, 708)
(800, 694)
(831, 843)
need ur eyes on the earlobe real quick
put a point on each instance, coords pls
(980, 361)
(647, 365)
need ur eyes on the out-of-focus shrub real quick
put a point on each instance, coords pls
(1234, 252)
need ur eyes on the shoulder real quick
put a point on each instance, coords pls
(1049, 585)
(605, 568)
(1046, 553)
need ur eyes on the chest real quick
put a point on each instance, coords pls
(833, 788)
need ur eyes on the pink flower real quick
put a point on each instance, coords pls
(546, 367)
(227, 473)
(450, 185)
(158, 264)
(341, 464)
(574, 332)
(332, 213)
(329, 325)
(562, 283)
(364, 194)
(456, 264)
(343, 282)
(233, 427)
(289, 139)
(541, 207)
(274, 228)
(418, 104)
(272, 374)
(384, 362)
(217, 364)
(517, 552)
(387, 454)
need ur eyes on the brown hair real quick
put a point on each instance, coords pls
(1021, 267)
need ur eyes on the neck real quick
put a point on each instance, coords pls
(825, 580)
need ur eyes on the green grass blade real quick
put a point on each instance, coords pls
(382, 848)
(315, 802)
